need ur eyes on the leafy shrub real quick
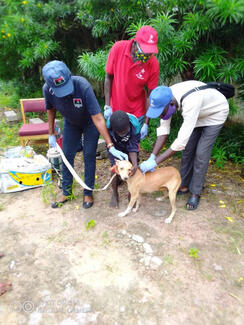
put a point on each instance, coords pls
(229, 145)
(8, 134)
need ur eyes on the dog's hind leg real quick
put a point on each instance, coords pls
(138, 201)
(172, 198)
(164, 194)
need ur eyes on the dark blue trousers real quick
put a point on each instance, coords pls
(71, 142)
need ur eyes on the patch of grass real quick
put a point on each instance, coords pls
(9, 96)
(235, 243)
(193, 252)
(229, 145)
(106, 240)
(235, 236)
(90, 224)
(148, 143)
(72, 196)
(9, 134)
(4, 100)
(49, 193)
(1, 207)
(169, 259)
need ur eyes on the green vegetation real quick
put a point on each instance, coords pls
(193, 252)
(196, 39)
(90, 224)
(49, 193)
(229, 145)
(169, 259)
(8, 134)
(106, 240)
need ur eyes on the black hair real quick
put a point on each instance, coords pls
(119, 121)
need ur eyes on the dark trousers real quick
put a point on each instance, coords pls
(71, 142)
(195, 157)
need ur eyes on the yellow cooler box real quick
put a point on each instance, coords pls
(19, 174)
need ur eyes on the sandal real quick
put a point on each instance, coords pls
(193, 202)
(87, 204)
(59, 204)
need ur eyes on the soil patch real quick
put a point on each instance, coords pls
(135, 270)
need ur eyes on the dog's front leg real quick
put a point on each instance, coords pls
(130, 206)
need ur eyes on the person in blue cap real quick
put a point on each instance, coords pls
(74, 98)
(204, 113)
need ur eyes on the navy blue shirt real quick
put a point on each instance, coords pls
(131, 145)
(77, 107)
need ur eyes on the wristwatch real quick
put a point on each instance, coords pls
(109, 145)
(106, 107)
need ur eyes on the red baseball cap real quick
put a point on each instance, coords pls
(147, 38)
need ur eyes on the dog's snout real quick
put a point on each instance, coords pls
(124, 177)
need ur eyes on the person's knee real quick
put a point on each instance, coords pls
(90, 157)
(202, 156)
(69, 154)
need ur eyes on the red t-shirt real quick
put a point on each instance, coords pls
(128, 92)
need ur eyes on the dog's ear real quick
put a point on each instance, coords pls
(114, 169)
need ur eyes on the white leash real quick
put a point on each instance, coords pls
(77, 178)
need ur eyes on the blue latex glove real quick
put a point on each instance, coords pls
(118, 154)
(52, 141)
(144, 131)
(148, 165)
(107, 111)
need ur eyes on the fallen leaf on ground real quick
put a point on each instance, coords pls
(229, 219)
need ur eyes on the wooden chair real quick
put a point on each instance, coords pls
(38, 132)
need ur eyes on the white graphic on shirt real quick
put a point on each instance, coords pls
(77, 102)
(151, 40)
(140, 74)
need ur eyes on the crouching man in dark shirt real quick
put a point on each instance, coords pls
(124, 130)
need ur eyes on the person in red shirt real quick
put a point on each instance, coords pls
(132, 72)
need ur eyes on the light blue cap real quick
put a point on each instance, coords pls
(58, 77)
(158, 99)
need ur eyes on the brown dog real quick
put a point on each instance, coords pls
(161, 179)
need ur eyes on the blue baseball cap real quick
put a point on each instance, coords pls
(158, 99)
(58, 77)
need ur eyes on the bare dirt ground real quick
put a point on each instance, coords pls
(135, 270)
